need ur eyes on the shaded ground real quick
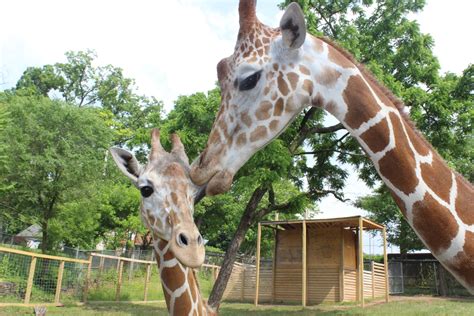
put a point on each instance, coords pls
(399, 305)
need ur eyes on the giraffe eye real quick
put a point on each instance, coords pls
(250, 82)
(146, 191)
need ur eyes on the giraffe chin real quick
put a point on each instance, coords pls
(219, 183)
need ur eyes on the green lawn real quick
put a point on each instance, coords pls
(422, 305)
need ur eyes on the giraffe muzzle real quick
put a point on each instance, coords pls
(187, 245)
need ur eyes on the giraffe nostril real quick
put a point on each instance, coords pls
(199, 240)
(182, 240)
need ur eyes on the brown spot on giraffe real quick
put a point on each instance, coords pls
(328, 77)
(377, 137)
(174, 198)
(241, 139)
(360, 102)
(182, 305)
(173, 277)
(278, 107)
(246, 119)
(274, 125)
(263, 111)
(431, 175)
(304, 70)
(463, 262)
(318, 100)
(293, 79)
(464, 201)
(308, 86)
(399, 158)
(282, 85)
(258, 133)
(434, 223)
(266, 91)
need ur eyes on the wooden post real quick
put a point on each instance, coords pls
(88, 279)
(59, 282)
(147, 280)
(259, 236)
(242, 290)
(303, 294)
(31, 275)
(275, 245)
(385, 261)
(361, 262)
(373, 278)
(119, 281)
(341, 271)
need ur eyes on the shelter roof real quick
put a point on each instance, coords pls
(345, 222)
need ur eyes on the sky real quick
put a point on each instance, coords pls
(172, 47)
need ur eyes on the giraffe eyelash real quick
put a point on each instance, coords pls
(250, 82)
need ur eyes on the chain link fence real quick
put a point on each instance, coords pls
(422, 276)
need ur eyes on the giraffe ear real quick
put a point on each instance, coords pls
(293, 27)
(127, 163)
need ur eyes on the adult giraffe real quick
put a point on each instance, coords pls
(166, 209)
(275, 73)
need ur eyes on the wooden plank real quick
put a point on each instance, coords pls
(361, 262)
(119, 281)
(59, 282)
(147, 281)
(373, 279)
(341, 269)
(275, 253)
(242, 285)
(385, 261)
(88, 280)
(303, 286)
(29, 284)
(40, 255)
(259, 236)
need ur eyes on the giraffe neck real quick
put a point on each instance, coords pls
(436, 201)
(180, 286)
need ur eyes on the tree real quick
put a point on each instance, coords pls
(81, 83)
(54, 151)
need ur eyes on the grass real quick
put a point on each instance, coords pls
(418, 305)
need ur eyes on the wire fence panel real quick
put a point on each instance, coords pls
(29, 277)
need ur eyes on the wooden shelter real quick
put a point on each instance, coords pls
(322, 260)
(314, 261)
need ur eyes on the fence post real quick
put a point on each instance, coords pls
(88, 279)
(373, 278)
(147, 280)
(119, 281)
(59, 282)
(31, 275)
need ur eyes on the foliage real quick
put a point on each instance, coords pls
(81, 83)
(54, 151)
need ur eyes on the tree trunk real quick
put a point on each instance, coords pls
(45, 238)
(231, 254)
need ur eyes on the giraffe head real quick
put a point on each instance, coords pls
(263, 89)
(168, 196)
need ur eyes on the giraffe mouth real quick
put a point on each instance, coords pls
(219, 183)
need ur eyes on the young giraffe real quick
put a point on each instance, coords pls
(275, 73)
(166, 209)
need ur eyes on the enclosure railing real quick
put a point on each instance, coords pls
(27, 276)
